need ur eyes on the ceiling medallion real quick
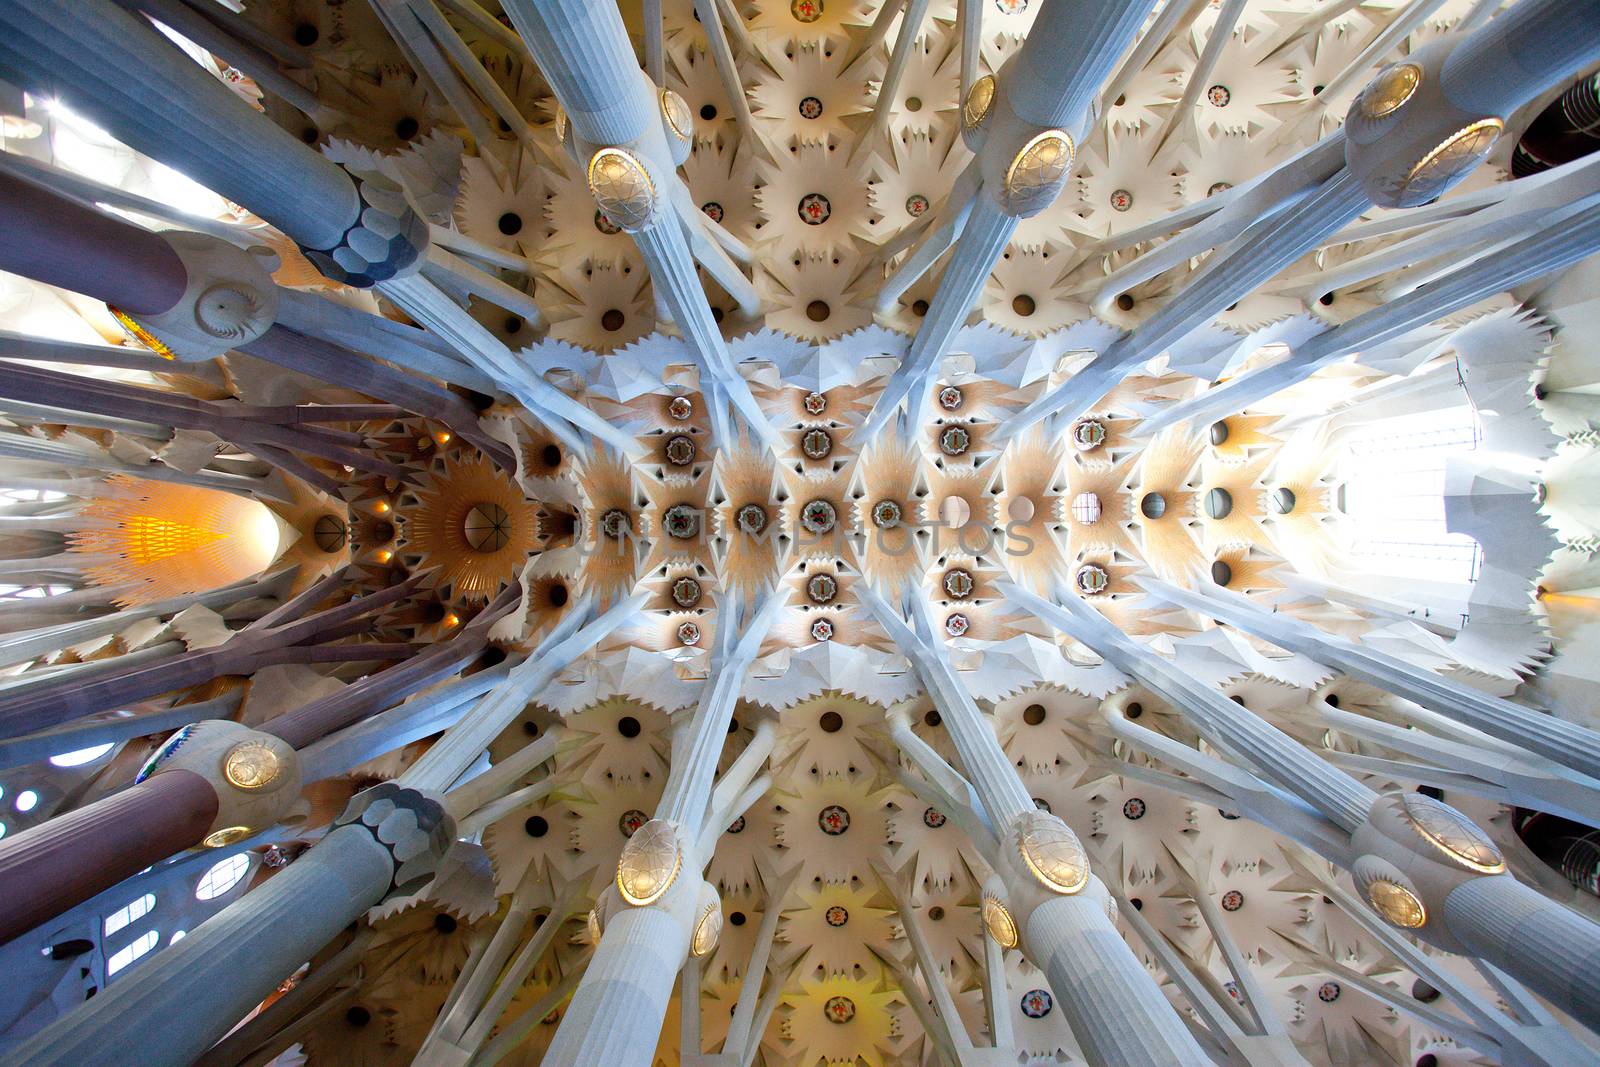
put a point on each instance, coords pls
(1232, 900)
(816, 444)
(1133, 808)
(680, 408)
(605, 225)
(737, 826)
(679, 118)
(751, 519)
(630, 821)
(706, 931)
(680, 450)
(1053, 853)
(951, 398)
(686, 592)
(1121, 200)
(954, 440)
(998, 921)
(886, 514)
(1036, 1003)
(1389, 91)
(228, 835)
(1088, 435)
(621, 185)
(839, 1009)
(822, 588)
(957, 624)
(916, 205)
(806, 11)
(713, 210)
(1219, 95)
(815, 403)
(814, 209)
(837, 915)
(1453, 834)
(1453, 157)
(958, 584)
(689, 633)
(1397, 904)
(818, 517)
(1037, 172)
(933, 818)
(1011, 7)
(1219, 187)
(650, 863)
(1328, 992)
(1091, 579)
(980, 99)
(810, 108)
(822, 630)
(252, 765)
(682, 521)
(834, 820)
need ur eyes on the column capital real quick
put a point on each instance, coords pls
(230, 300)
(410, 824)
(388, 240)
(1412, 853)
(255, 775)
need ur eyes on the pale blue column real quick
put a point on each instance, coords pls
(195, 991)
(1566, 743)
(1549, 250)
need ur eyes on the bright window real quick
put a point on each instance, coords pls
(222, 877)
(1394, 496)
(81, 756)
(132, 951)
(129, 912)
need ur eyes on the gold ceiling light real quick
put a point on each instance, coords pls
(1001, 926)
(594, 927)
(1390, 90)
(707, 930)
(1037, 172)
(228, 835)
(1453, 157)
(1453, 834)
(679, 119)
(622, 188)
(649, 864)
(472, 521)
(980, 101)
(1397, 904)
(252, 765)
(1053, 853)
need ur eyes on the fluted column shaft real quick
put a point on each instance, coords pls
(1070, 52)
(1550, 250)
(615, 1017)
(58, 241)
(1116, 1012)
(1566, 743)
(180, 1002)
(62, 862)
(191, 994)
(114, 69)
(1529, 46)
(1551, 948)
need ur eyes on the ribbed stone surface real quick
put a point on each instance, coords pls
(1549, 947)
(195, 991)
(1117, 1012)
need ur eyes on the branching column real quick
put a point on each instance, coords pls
(659, 909)
(389, 840)
(1055, 906)
(1422, 865)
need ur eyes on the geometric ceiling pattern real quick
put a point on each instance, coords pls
(799, 531)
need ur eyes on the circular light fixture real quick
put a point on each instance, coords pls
(1397, 904)
(706, 931)
(1053, 853)
(1452, 833)
(998, 921)
(1389, 91)
(252, 765)
(649, 864)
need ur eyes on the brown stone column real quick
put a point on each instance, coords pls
(63, 862)
(58, 241)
